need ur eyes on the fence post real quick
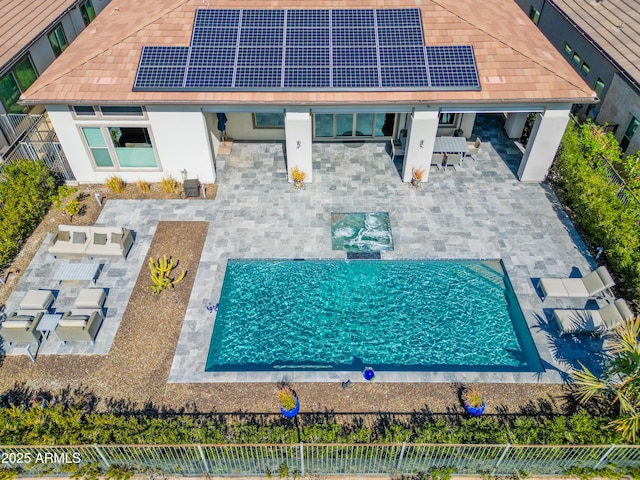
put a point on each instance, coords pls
(604, 456)
(204, 459)
(504, 453)
(102, 455)
(404, 446)
(302, 459)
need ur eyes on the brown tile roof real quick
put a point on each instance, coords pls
(613, 24)
(515, 61)
(23, 21)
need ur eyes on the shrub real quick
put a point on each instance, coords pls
(169, 184)
(72, 208)
(298, 175)
(115, 184)
(143, 186)
(26, 190)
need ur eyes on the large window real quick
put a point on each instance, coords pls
(447, 119)
(346, 125)
(268, 120)
(629, 133)
(126, 147)
(599, 87)
(15, 82)
(58, 40)
(87, 12)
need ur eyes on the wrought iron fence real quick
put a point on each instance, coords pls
(315, 459)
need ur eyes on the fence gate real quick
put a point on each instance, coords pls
(33, 138)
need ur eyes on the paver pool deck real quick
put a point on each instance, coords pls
(478, 211)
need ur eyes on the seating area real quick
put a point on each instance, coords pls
(21, 326)
(81, 324)
(593, 285)
(79, 241)
(592, 321)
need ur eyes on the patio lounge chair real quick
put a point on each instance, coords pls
(589, 321)
(592, 285)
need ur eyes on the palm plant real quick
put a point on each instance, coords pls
(620, 379)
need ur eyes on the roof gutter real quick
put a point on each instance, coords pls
(595, 45)
(38, 36)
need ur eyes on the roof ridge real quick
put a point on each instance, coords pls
(492, 35)
(96, 53)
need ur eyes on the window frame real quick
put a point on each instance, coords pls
(447, 124)
(254, 117)
(12, 73)
(585, 68)
(98, 113)
(84, 12)
(105, 130)
(576, 58)
(567, 50)
(58, 29)
(595, 87)
(534, 15)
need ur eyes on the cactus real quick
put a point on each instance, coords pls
(160, 274)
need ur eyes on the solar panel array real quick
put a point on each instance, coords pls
(377, 49)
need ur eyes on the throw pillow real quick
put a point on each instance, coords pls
(17, 324)
(100, 238)
(63, 236)
(79, 237)
(21, 318)
(116, 237)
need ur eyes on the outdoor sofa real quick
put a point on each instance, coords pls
(589, 321)
(76, 240)
(592, 285)
(81, 324)
(20, 326)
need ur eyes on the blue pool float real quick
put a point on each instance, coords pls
(369, 374)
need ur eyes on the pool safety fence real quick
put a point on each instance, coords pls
(318, 459)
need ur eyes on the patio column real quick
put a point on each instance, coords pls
(297, 127)
(543, 144)
(514, 125)
(421, 138)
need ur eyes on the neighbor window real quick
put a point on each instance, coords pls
(87, 12)
(268, 120)
(58, 40)
(567, 49)
(576, 59)
(599, 88)
(534, 15)
(447, 119)
(629, 133)
(584, 68)
(129, 147)
(15, 82)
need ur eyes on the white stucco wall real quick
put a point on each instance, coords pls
(298, 142)
(240, 127)
(421, 138)
(179, 136)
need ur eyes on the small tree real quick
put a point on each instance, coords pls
(620, 379)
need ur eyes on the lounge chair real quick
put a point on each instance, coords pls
(593, 285)
(589, 321)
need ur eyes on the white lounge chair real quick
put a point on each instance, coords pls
(589, 321)
(592, 285)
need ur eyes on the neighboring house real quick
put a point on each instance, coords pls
(32, 35)
(299, 77)
(601, 40)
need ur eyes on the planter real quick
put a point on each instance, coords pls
(293, 412)
(475, 411)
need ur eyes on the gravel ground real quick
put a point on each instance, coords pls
(135, 372)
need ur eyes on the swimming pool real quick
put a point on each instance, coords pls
(413, 315)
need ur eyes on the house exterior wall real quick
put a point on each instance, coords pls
(179, 136)
(621, 104)
(240, 127)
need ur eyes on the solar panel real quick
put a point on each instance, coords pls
(159, 77)
(259, 56)
(164, 56)
(352, 57)
(401, 17)
(304, 77)
(307, 37)
(263, 77)
(398, 56)
(349, 37)
(306, 56)
(307, 18)
(261, 36)
(355, 77)
(352, 18)
(201, 77)
(263, 18)
(307, 49)
(216, 18)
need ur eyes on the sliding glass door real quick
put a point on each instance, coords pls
(353, 125)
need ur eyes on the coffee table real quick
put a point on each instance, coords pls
(77, 272)
(48, 323)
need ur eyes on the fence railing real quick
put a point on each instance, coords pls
(319, 459)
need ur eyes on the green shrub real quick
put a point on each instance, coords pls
(26, 188)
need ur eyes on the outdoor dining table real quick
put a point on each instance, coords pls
(451, 145)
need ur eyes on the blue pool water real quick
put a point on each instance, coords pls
(391, 315)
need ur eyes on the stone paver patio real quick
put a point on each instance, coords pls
(479, 211)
